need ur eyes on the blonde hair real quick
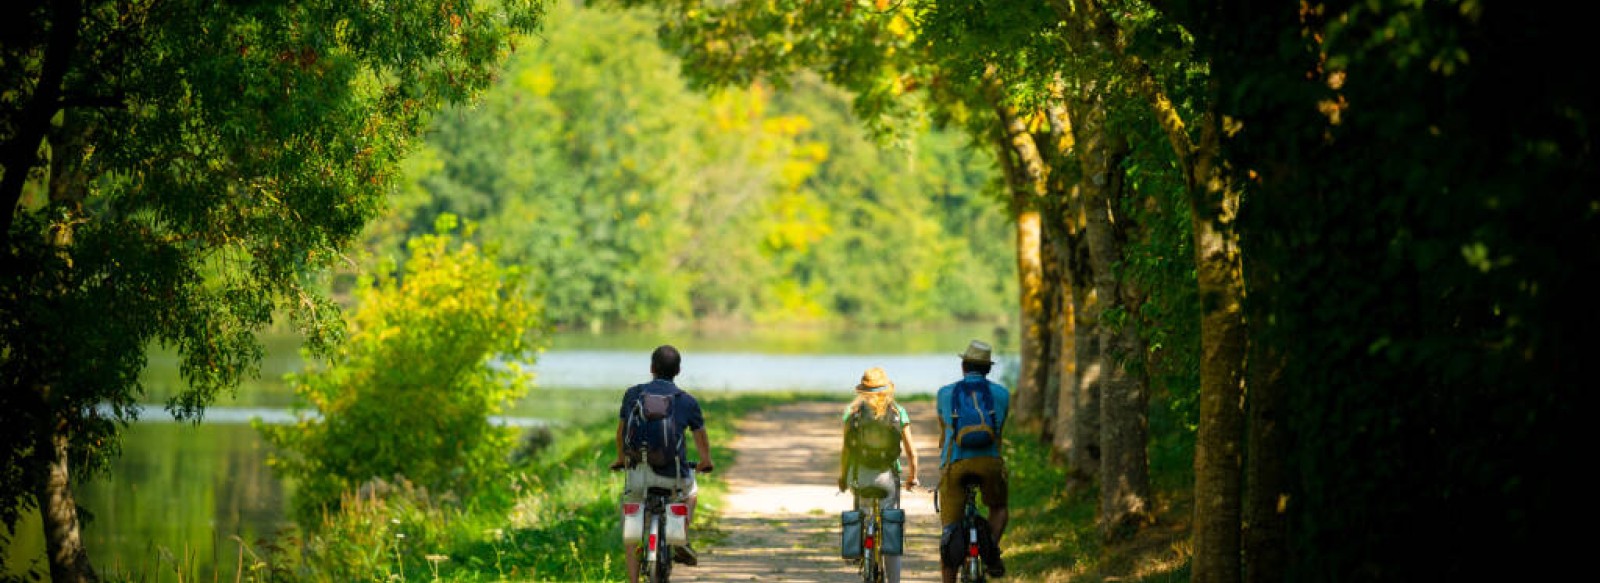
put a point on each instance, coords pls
(878, 400)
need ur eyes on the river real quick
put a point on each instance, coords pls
(180, 492)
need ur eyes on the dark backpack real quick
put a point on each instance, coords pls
(874, 441)
(972, 415)
(653, 427)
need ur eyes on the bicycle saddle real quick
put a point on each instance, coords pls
(873, 491)
(969, 481)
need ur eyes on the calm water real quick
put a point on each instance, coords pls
(185, 490)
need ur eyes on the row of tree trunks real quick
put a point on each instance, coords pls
(1097, 411)
(1073, 410)
(1219, 446)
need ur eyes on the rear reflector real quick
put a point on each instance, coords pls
(678, 509)
(653, 542)
(630, 507)
(871, 542)
(972, 550)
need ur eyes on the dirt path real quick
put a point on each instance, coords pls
(781, 519)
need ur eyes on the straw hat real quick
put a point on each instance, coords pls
(873, 380)
(977, 352)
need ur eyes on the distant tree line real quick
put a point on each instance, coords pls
(633, 200)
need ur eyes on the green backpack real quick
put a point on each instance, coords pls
(874, 441)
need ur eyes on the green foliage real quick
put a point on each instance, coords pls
(634, 200)
(411, 392)
(205, 161)
(562, 525)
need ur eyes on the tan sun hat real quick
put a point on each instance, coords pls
(873, 380)
(977, 351)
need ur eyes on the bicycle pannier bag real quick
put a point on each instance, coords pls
(952, 545)
(972, 415)
(894, 531)
(677, 523)
(850, 535)
(875, 440)
(632, 522)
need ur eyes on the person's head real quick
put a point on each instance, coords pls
(664, 362)
(876, 390)
(977, 358)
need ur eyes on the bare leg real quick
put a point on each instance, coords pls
(997, 521)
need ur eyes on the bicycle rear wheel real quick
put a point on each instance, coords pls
(657, 568)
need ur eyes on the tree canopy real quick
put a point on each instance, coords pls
(182, 173)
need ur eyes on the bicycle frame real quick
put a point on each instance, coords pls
(872, 565)
(972, 569)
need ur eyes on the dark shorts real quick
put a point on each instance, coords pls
(990, 473)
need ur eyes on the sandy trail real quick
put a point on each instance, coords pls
(781, 517)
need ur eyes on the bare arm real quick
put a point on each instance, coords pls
(702, 445)
(622, 459)
(911, 455)
(844, 463)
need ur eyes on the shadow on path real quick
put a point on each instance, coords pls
(780, 520)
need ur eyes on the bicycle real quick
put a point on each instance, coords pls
(972, 567)
(654, 544)
(663, 519)
(868, 500)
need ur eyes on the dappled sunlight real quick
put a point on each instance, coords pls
(780, 520)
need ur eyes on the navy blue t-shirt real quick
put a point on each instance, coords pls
(685, 412)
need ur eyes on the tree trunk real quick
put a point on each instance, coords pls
(1062, 236)
(1083, 453)
(1035, 325)
(1055, 286)
(69, 562)
(1077, 435)
(1026, 174)
(1217, 496)
(19, 154)
(58, 508)
(1265, 525)
(1124, 430)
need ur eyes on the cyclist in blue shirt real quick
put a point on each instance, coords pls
(665, 362)
(985, 463)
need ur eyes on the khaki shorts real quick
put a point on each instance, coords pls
(991, 475)
(641, 478)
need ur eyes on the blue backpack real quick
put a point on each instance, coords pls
(653, 428)
(972, 417)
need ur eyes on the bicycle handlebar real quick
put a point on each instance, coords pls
(621, 465)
